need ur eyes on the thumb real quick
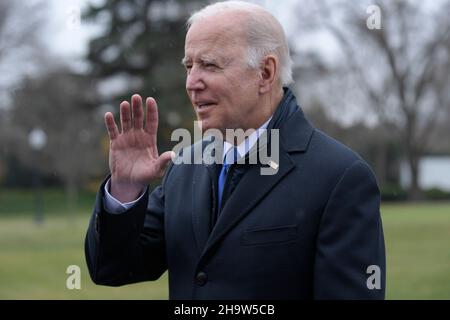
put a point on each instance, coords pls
(164, 160)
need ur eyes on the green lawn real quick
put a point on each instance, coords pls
(33, 259)
(417, 240)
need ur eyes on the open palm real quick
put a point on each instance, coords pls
(133, 156)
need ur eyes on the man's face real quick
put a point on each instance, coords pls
(223, 90)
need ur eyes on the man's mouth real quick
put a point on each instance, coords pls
(203, 106)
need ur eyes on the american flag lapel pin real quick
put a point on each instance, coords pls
(273, 164)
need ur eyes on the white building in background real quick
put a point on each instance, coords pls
(434, 172)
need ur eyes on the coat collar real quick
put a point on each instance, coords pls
(295, 129)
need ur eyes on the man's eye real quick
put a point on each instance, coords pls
(210, 65)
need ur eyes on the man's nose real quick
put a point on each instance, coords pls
(194, 80)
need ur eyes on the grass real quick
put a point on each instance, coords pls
(417, 238)
(34, 259)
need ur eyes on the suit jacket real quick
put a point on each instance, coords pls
(310, 231)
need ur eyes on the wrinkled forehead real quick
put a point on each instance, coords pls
(215, 37)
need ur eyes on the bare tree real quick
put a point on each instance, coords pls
(398, 73)
(21, 27)
(21, 52)
(63, 105)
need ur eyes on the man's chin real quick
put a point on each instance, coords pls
(207, 126)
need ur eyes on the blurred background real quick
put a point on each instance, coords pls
(372, 74)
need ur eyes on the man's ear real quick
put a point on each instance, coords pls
(269, 70)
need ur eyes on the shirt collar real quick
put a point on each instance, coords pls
(244, 146)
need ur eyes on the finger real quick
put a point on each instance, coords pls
(111, 126)
(125, 116)
(163, 161)
(138, 113)
(151, 122)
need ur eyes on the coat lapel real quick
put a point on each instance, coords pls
(246, 196)
(204, 202)
(202, 205)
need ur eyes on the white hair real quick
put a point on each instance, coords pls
(265, 34)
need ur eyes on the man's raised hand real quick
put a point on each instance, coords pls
(133, 153)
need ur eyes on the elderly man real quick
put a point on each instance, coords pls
(310, 230)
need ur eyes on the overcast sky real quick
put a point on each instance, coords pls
(65, 37)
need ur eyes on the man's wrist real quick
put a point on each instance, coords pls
(125, 192)
(114, 206)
